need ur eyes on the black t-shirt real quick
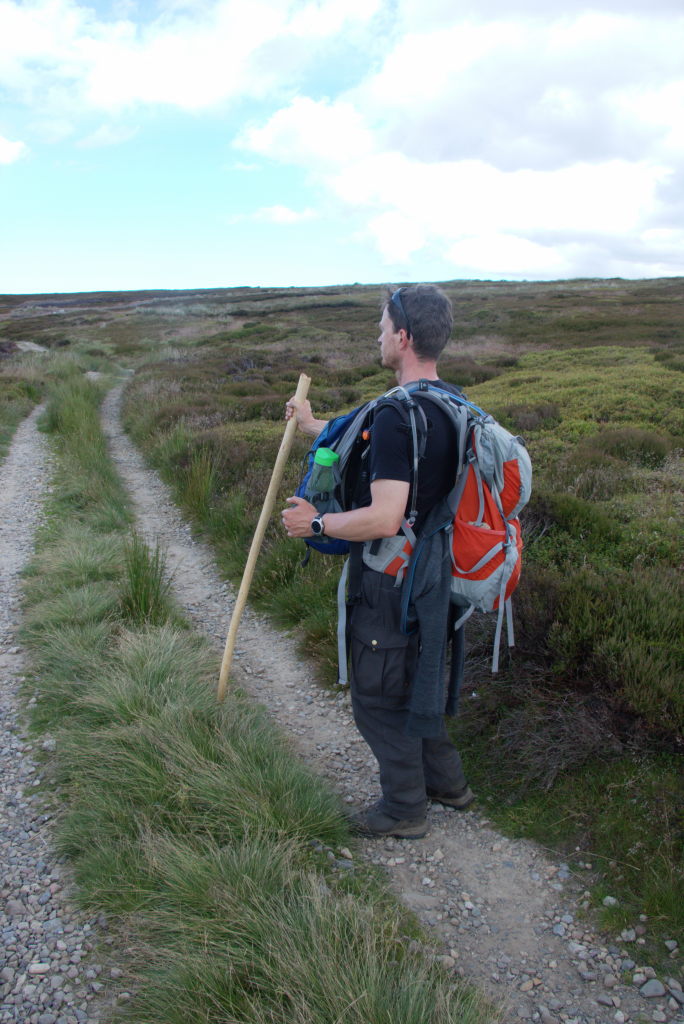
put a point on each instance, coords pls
(391, 453)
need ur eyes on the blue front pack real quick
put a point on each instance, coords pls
(332, 433)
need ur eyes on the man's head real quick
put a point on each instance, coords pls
(424, 312)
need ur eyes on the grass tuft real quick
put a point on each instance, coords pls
(146, 589)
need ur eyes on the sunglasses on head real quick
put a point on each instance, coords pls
(396, 299)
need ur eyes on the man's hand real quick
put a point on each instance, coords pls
(297, 520)
(306, 421)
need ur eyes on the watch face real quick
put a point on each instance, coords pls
(317, 526)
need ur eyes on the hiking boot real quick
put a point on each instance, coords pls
(376, 822)
(460, 800)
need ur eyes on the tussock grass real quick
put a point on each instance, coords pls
(200, 483)
(86, 484)
(76, 555)
(192, 822)
(145, 595)
(293, 974)
(77, 606)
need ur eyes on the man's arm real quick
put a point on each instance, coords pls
(382, 518)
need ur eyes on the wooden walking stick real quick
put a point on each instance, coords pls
(269, 501)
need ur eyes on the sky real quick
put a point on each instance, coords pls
(221, 143)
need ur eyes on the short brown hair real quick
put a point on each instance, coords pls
(424, 311)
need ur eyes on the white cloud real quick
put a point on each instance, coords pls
(501, 255)
(275, 215)
(11, 151)
(107, 135)
(310, 133)
(524, 92)
(283, 215)
(531, 143)
(191, 56)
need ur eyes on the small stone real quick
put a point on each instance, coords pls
(659, 1016)
(609, 901)
(639, 978)
(628, 935)
(604, 1000)
(39, 968)
(653, 989)
(344, 852)
(619, 1017)
(527, 986)
(671, 944)
(609, 981)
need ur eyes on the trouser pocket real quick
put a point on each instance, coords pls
(378, 659)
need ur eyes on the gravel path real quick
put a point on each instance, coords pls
(48, 974)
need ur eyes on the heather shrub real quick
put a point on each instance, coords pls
(641, 447)
(530, 417)
(552, 515)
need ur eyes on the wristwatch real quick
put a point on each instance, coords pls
(318, 526)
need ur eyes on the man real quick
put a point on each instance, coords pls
(398, 681)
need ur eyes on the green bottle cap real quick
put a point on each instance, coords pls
(325, 457)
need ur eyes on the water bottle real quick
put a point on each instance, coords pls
(323, 490)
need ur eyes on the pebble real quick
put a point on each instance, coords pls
(653, 989)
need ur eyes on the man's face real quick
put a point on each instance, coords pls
(389, 342)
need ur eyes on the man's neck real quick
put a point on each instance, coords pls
(414, 369)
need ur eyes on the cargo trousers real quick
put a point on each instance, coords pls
(382, 660)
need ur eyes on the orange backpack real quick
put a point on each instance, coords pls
(493, 480)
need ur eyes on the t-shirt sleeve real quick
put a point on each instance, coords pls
(389, 449)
